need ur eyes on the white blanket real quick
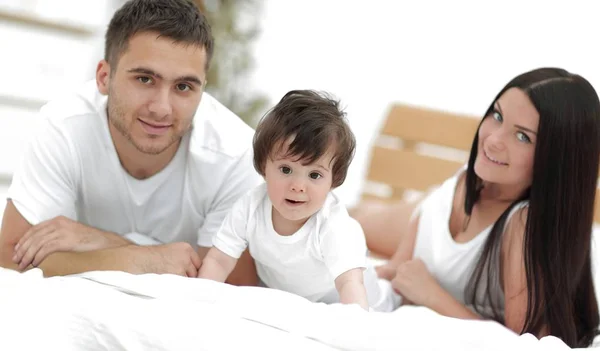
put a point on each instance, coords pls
(119, 311)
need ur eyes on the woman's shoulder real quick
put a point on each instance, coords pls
(516, 221)
(460, 188)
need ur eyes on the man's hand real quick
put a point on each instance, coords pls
(175, 258)
(61, 234)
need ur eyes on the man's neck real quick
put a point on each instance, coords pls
(138, 164)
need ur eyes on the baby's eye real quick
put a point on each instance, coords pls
(285, 170)
(315, 175)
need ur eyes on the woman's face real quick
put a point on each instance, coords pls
(507, 139)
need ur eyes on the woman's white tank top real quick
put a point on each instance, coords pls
(450, 262)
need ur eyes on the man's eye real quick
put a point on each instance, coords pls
(144, 80)
(183, 87)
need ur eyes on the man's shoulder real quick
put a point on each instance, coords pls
(73, 107)
(218, 132)
(70, 119)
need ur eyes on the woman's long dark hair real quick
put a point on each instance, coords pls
(558, 231)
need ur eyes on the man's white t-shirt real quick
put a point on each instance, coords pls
(305, 263)
(71, 168)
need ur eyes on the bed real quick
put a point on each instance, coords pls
(120, 311)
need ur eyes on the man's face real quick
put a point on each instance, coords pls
(154, 91)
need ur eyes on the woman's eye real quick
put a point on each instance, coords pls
(523, 137)
(497, 116)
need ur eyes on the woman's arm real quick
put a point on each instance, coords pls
(385, 225)
(415, 283)
(514, 278)
(446, 305)
(403, 253)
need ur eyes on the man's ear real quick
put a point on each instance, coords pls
(103, 77)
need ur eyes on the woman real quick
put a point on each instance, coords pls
(510, 235)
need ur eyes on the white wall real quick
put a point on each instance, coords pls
(452, 55)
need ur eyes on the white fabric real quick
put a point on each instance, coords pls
(71, 168)
(166, 312)
(305, 263)
(141, 239)
(450, 262)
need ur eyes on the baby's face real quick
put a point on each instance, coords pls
(297, 190)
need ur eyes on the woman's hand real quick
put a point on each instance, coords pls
(386, 271)
(414, 282)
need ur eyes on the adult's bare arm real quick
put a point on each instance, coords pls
(175, 258)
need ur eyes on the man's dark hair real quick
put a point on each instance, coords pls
(180, 20)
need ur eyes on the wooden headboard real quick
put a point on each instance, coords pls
(419, 148)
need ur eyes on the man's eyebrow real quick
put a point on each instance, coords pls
(143, 70)
(191, 79)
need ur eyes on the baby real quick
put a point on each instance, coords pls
(298, 232)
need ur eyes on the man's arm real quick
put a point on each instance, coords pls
(176, 258)
(14, 227)
(61, 234)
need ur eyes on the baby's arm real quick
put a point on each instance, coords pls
(217, 265)
(351, 288)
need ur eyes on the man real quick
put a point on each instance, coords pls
(141, 156)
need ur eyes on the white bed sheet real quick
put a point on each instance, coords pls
(120, 311)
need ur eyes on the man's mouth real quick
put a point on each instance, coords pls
(154, 128)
